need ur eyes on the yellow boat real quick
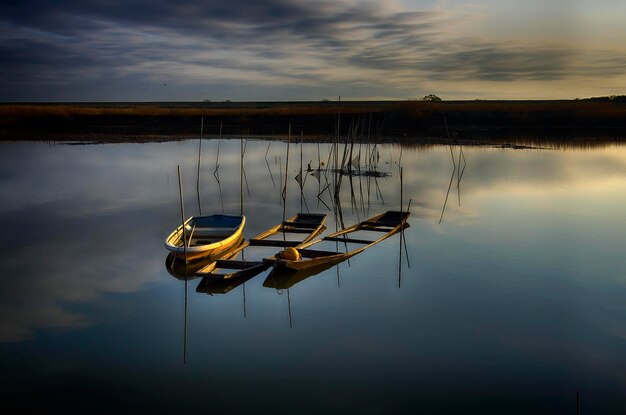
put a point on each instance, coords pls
(187, 270)
(388, 223)
(309, 225)
(206, 236)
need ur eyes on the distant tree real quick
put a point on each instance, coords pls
(431, 97)
(610, 98)
(207, 100)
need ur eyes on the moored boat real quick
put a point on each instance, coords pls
(309, 225)
(206, 236)
(388, 223)
(182, 270)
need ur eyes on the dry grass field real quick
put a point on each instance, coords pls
(461, 119)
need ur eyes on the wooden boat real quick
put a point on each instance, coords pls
(206, 236)
(389, 223)
(309, 224)
(187, 270)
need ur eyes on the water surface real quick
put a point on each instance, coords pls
(509, 301)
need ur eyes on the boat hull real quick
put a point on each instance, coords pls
(390, 223)
(222, 235)
(309, 224)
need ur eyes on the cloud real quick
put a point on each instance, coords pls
(288, 46)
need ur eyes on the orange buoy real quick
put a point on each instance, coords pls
(291, 254)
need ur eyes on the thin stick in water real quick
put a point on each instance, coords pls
(289, 307)
(241, 179)
(185, 325)
(217, 157)
(199, 155)
(401, 235)
(182, 212)
(245, 311)
(286, 175)
(449, 186)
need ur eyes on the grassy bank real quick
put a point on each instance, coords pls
(459, 120)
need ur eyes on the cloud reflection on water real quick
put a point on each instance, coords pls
(82, 222)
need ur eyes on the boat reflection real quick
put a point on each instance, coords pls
(281, 278)
(222, 286)
(179, 270)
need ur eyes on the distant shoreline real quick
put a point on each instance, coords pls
(419, 122)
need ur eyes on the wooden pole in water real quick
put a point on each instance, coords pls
(408, 262)
(199, 156)
(217, 157)
(245, 311)
(182, 213)
(286, 175)
(401, 234)
(289, 308)
(449, 186)
(401, 203)
(241, 180)
(185, 328)
(301, 178)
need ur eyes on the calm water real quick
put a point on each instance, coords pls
(513, 301)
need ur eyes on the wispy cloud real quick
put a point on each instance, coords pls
(277, 48)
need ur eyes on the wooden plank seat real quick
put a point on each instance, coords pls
(235, 264)
(376, 228)
(347, 240)
(294, 230)
(387, 224)
(304, 225)
(268, 242)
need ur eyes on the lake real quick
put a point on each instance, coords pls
(508, 296)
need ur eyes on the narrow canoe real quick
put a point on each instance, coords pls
(309, 225)
(205, 236)
(388, 223)
(187, 270)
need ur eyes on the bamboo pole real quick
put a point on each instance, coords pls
(300, 180)
(406, 251)
(449, 185)
(199, 156)
(401, 202)
(217, 157)
(185, 325)
(401, 235)
(241, 180)
(286, 175)
(182, 213)
(245, 311)
(289, 307)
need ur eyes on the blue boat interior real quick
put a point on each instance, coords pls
(214, 226)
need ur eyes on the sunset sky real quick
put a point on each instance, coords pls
(249, 50)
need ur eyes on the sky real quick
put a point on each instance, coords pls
(277, 50)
